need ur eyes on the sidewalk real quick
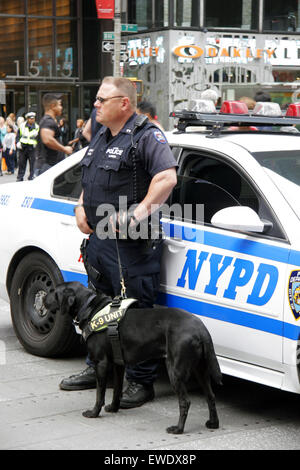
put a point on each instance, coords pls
(36, 414)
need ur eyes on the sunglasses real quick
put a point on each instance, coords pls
(103, 100)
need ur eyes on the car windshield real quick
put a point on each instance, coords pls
(284, 169)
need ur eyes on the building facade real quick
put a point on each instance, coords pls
(236, 47)
(180, 48)
(50, 46)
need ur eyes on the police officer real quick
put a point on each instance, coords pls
(26, 143)
(109, 172)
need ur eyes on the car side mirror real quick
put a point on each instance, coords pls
(240, 218)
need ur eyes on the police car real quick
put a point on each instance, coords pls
(232, 248)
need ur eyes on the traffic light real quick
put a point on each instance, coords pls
(139, 87)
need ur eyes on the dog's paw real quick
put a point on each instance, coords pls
(212, 424)
(174, 430)
(111, 409)
(90, 414)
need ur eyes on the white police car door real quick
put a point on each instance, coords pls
(234, 280)
(67, 187)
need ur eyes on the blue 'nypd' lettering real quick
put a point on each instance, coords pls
(243, 271)
(4, 199)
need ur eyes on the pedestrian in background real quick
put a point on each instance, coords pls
(248, 101)
(79, 140)
(49, 149)
(9, 149)
(64, 131)
(2, 134)
(11, 119)
(91, 127)
(27, 136)
(147, 108)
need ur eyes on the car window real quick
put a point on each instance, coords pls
(68, 184)
(213, 184)
(284, 163)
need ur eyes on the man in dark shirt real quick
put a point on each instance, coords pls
(49, 149)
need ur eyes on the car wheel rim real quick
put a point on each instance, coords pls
(36, 316)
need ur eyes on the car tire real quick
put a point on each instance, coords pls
(41, 332)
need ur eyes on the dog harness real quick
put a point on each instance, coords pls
(109, 318)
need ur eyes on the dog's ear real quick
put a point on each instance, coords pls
(66, 299)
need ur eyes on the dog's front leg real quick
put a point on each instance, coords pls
(101, 376)
(118, 385)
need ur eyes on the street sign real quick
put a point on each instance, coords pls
(109, 46)
(125, 28)
(129, 28)
(107, 35)
(123, 57)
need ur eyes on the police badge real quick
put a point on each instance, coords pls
(294, 293)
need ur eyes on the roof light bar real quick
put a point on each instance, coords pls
(219, 121)
(267, 109)
(234, 107)
(293, 110)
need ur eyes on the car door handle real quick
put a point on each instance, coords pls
(175, 245)
(68, 224)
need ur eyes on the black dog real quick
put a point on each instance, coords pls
(144, 334)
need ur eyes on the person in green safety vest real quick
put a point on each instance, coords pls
(26, 143)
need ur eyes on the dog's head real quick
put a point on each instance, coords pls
(73, 298)
(62, 298)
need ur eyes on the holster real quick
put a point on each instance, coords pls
(93, 273)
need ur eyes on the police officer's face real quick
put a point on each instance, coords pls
(112, 109)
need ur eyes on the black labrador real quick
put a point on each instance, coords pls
(172, 333)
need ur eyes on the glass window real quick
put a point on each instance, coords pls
(66, 52)
(231, 14)
(90, 49)
(206, 185)
(12, 7)
(66, 7)
(186, 13)
(161, 13)
(40, 47)
(12, 46)
(282, 16)
(140, 13)
(40, 7)
(68, 184)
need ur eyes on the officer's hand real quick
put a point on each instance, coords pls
(121, 221)
(68, 149)
(81, 221)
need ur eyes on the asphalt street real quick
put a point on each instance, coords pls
(36, 414)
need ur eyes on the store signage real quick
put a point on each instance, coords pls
(141, 51)
(241, 51)
(105, 9)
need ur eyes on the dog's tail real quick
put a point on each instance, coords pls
(212, 363)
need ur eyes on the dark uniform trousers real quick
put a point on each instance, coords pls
(26, 153)
(135, 256)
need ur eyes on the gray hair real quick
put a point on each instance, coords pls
(210, 95)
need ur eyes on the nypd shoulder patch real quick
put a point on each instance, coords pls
(158, 135)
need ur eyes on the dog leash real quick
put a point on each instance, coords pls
(122, 281)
